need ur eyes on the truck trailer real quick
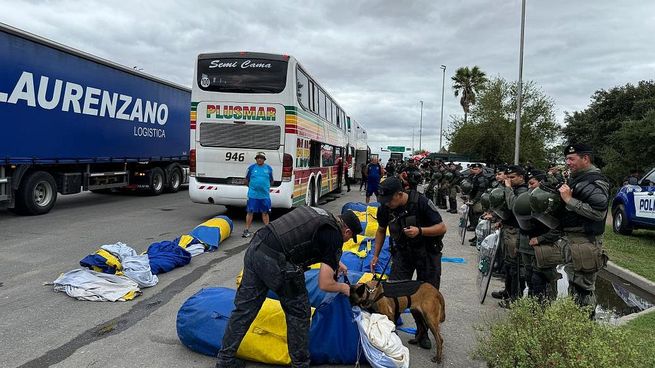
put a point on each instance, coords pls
(72, 122)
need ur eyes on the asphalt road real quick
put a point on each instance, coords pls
(39, 327)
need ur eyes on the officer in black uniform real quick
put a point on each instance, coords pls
(416, 231)
(276, 259)
(586, 195)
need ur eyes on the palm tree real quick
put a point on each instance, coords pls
(468, 82)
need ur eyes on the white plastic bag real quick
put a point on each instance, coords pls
(381, 346)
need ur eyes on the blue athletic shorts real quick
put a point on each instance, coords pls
(372, 187)
(255, 205)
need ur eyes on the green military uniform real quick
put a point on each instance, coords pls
(583, 221)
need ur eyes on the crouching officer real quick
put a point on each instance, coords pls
(416, 231)
(586, 195)
(276, 259)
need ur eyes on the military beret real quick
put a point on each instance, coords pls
(515, 169)
(579, 148)
(476, 165)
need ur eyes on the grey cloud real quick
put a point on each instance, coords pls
(376, 58)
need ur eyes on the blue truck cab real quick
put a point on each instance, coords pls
(633, 207)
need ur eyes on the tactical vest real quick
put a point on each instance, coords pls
(412, 217)
(479, 185)
(296, 232)
(582, 188)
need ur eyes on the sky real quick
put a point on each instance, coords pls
(377, 59)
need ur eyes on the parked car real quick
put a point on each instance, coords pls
(633, 206)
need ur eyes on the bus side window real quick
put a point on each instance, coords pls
(314, 154)
(303, 89)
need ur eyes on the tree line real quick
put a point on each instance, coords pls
(619, 124)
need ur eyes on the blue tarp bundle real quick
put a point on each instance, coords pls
(166, 255)
(334, 338)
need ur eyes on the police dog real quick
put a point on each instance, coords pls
(425, 302)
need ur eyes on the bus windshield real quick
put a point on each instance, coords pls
(242, 75)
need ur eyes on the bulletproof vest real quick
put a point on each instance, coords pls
(296, 232)
(511, 220)
(411, 217)
(583, 187)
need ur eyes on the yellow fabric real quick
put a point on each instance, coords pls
(366, 277)
(361, 215)
(239, 277)
(185, 240)
(131, 295)
(266, 339)
(111, 260)
(221, 224)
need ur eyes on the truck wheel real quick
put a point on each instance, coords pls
(174, 180)
(620, 223)
(156, 181)
(37, 194)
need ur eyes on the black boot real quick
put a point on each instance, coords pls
(501, 294)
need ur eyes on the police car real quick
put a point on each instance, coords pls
(634, 206)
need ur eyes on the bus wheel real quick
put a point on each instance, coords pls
(317, 190)
(156, 181)
(309, 197)
(37, 194)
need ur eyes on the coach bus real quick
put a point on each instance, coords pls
(243, 103)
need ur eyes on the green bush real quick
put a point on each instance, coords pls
(558, 335)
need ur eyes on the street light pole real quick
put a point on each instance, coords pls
(420, 128)
(443, 86)
(412, 141)
(517, 140)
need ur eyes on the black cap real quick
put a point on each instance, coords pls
(536, 174)
(579, 148)
(515, 169)
(388, 188)
(500, 169)
(352, 221)
(476, 165)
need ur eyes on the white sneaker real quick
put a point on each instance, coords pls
(246, 234)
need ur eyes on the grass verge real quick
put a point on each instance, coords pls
(635, 252)
(640, 334)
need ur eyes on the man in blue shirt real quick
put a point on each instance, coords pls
(259, 179)
(374, 172)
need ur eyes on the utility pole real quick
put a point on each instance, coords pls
(517, 140)
(420, 128)
(412, 141)
(443, 85)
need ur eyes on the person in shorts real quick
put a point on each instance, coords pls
(374, 172)
(259, 179)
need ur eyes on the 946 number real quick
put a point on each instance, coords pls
(234, 156)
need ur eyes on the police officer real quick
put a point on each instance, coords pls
(514, 186)
(586, 195)
(454, 177)
(444, 189)
(539, 249)
(479, 185)
(411, 175)
(276, 260)
(416, 231)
